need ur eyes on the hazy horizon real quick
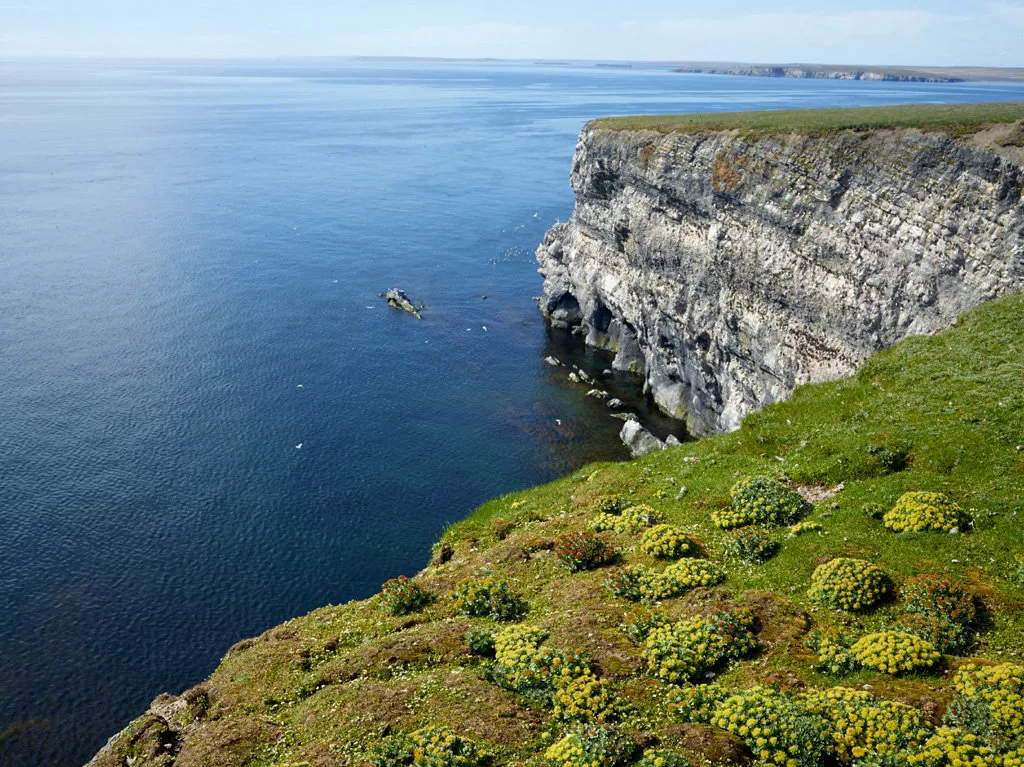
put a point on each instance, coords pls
(942, 33)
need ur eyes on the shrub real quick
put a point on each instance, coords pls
(751, 544)
(643, 620)
(946, 635)
(662, 757)
(1000, 689)
(402, 595)
(833, 648)
(429, 747)
(630, 522)
(697, 702)
(480, 642)
(775, 729)
(893, 652)
(936, 596)
(687, 574)
(849, 584)
(956, 748)
(501, 528)
(678, 652)
(861, 724)
(920, 511)
(487, 597)
(609, 504)
(627, 582)
(667, 542)
(588, 744)
(874, 510)
(891, 457)
(524, 665)
(806, 526)
(583, 551)
(759, 501)
(638, 583)
(586, 698)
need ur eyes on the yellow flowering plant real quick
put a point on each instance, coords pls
(751, 544)
(775, 729)
(849, 584)
(833, 648)
(629, 522)
(804, 526)
(487, 597)
(894, 652)
(585, 698)
(641, 584)
(586, 745)
(429, 747)
(920, 511)
(668, 542)
(679, 652)
(759, 501)
(525, 666)
(662, 757)
(862, 725)
(641, 621)
(990, 701)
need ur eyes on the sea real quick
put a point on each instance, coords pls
(210, 421)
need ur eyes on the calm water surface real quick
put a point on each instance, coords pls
(190, 257)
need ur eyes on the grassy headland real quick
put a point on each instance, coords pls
(952, 119)
(942, 413)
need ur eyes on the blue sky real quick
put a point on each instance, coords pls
(940, 32)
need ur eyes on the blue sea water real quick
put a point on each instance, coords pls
(190, 260)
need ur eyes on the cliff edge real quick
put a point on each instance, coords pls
(731, 258)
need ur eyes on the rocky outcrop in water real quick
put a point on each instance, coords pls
(731, 268)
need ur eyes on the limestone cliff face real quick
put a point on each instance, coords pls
(730, 269)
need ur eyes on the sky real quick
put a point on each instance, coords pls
(936, 33)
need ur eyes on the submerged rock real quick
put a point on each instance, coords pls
(399, 299)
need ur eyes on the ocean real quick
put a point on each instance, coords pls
(211, 421)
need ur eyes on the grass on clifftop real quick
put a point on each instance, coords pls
(953, 119)
(940, 414)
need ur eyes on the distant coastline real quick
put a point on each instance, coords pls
(814, 72)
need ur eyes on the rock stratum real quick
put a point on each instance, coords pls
(730, 266)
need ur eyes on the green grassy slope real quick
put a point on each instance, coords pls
(954, 119)
(323, 688)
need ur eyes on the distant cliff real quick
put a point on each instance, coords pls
(810, 72)
(730, 266)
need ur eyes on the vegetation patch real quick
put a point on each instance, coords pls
(629, 522)
(849, 584)
(679, 652)
(668, 542)
(429, 747)
(488, 598)
(326, 688)
(402, 595)
(895, 652)
(950, 119)
(759, 501)
(917, 512)
(583, 550)
(751, 544)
